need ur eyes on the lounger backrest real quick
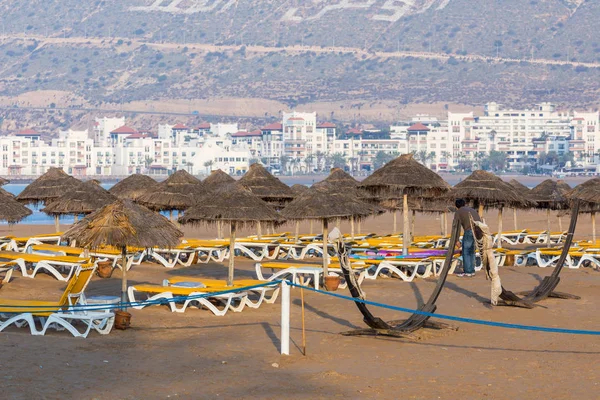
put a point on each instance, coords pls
(77, 284)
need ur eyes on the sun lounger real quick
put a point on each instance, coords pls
(262, 291)
(169, 258)
(310, 273)
(58, 314)
(188, 295)
(21, 243)
(134, 256)
(52, 265)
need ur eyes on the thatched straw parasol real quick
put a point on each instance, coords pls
(264, 185)
(3, 181)
(11, 210)
(550, 195)
(487, 190)
(326, 203)
(519, 187)
(217, 179)
(236, 205)
(124, 224)
(50, 186)
(400, 178)
(588, 194)
(4, 192)
(178, 192)
(85, 199)
(133, 187)
(340, 180)
(298, 188)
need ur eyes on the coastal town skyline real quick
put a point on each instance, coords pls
(541, 138)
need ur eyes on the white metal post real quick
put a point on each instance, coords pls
(285, 318)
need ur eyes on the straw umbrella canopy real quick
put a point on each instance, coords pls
(4, 192)
(11, 210)
(47, 187)
(217, 179)
(124, 224)
(235, 205)
(178, 192)
(264, 185)
(133, 187)
(298, 188)
(400, 178)
(550, 195)
(588, 193)
(84, 199)
(489, 191)
(339, 178)
(50, 186)
(521, 189)
(3, 181)
(326, 203)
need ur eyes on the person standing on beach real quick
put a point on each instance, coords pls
(465, 214)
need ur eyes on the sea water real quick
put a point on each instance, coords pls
(38, 217)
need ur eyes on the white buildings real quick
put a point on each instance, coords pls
(300, 143)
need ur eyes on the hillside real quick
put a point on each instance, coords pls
(351, 52)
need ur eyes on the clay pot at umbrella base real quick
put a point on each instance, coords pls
(332, 282)
(105, 269)
(122, 320)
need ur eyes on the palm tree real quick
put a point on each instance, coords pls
(208, 164)
(190, 166)
(284, 161)
(320, 157)
(148, 162)
(338, 160)
(309, 160)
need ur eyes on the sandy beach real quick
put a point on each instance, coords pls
(197, 355)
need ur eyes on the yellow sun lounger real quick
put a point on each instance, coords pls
(135, 256)
(189, 294)
(245, 284)
(58, 313)
(47, 263)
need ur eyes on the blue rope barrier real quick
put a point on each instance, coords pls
(454, 318)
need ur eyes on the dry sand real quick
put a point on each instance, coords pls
(197, 355)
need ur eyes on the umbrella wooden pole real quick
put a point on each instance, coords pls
(231, 255)
(515, 218)
(124, 278)
(500, 228)
(56, 223)
(218, 229)
(548, 226)
(325, 254)
(311, 227)
(593, 227)
(395, 219)
(412, 225)
(405, 233)
(259, 230)
(352, 228)
(171, 215)
(297, 233)
(445, 228)
(442, 223)
(480, 210)
(75, 218)
(560, 223)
